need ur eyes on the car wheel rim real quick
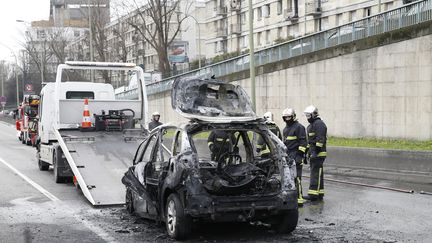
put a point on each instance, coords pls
(171, 217)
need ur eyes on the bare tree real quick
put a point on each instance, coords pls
(57, 41)
(39, 52)
(158, 22)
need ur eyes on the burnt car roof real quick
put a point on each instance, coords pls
(211, 100)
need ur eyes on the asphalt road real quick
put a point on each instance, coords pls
(33, 208)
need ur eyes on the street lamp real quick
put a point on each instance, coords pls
(16, 76)
(199, 36)
(251, 55)
(42, 56)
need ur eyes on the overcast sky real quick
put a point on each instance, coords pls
(11, 34)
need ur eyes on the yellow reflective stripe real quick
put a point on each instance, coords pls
(301, 200)
(311, 134)
(319, 144)
(265, 151)
(260, 145)
(303, 149)
(308, 145)
(313, 192)
(209, 143)
(319, 180)
(321, 192)
(322, 154)
(291, 138)
(219, 139)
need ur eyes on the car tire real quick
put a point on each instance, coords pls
(287, 222)
(178, 225)
(57, 177)
(129, 201)
(42, 165)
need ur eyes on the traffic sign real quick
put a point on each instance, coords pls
(28, 87)
(3, 100)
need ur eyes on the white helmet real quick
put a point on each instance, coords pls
(288, 115)
(311, 112)
(155, 113)
(268, 116)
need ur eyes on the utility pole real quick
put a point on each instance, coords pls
(17, 87)
(251, 55)
(91, 38)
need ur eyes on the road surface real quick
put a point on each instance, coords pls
(33, 208)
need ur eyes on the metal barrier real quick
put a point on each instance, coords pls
(407, 15)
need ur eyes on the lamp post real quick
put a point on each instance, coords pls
(199, 36)
(251, 55)
(14, 71)
(91, 38)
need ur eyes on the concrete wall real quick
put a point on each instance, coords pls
(382, 92)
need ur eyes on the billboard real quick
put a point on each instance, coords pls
(177, 52)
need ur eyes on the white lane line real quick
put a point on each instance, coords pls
(97, 230)
(31, 182)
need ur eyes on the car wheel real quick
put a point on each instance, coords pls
(178, 224)
(42, 165)
(129, 201)
(57, 177)
(287, 222)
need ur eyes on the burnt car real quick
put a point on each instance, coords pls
(210, 168)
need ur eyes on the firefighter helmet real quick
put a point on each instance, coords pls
(268, 116)
(288, 113)
(155, 113)
(311, 112)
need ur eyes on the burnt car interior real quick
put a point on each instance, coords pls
(232, 166)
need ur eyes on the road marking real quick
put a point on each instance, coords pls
(31, 182)
(95, 229)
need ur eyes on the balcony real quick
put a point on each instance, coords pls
(313, 7)
(290, 15)
(221, 32)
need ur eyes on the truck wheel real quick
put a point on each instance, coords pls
(57, 177)
(28, 142)
(287, 222)
(178, 224)
(42, 165)
(129, 201)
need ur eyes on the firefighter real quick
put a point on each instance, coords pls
(317, 138)
(262, 148)
(155, 121)
(294, 138)
(219, 143)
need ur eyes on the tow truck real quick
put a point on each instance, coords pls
(26, 119)
(94, 157)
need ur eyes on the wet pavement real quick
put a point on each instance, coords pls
(348, 213)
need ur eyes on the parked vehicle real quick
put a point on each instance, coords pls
(179, 178)
(27, 120)
(92, 151)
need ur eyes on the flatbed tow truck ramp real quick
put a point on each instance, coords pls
(88, 134)
(98, 161)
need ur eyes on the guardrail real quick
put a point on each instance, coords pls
(407, 15)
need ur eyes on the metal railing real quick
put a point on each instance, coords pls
(407, 15)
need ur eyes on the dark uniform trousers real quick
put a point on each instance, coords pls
(299, 167)
(316, 187)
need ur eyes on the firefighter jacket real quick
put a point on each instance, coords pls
(294, 137)
(261, 144)
(220, 141)
(317, 138)
(154, 124)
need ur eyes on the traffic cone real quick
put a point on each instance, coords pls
(86, 123)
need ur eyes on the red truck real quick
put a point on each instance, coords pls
(26, 119)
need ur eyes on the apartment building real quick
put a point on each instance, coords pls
(275, 21)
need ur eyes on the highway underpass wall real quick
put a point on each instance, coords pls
(380, 87)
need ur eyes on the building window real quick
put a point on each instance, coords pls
(279, 33)
(76, 33)
(367, 12)
(268, 37)
(352, 16)
(266, 11)
(244, 41)
(243, 18)
(259, 38)
(338, 19)
(259, 13)
(324, 23)
(279, 7)
(40, 34)
(388, 6)
(216, 47)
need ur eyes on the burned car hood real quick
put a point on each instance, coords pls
(211, 100)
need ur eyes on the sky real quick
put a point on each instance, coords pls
(12, 32)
